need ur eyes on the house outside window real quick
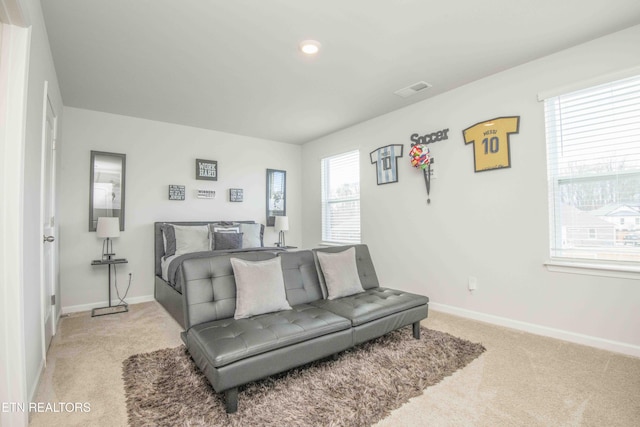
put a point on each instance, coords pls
(341, 198)
(593, 163)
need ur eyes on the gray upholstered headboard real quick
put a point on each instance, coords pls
(159, 244)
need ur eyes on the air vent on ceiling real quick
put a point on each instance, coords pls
(412, 89)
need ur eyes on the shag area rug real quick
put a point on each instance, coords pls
(359, 388)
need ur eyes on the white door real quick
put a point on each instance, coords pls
(51, 300)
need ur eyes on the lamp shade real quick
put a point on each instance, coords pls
(108, 227)
(282, 223)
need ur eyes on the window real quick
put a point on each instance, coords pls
(593, 155)
(341, 198)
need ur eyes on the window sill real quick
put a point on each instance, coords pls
(594, 269)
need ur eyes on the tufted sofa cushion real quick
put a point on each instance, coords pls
(372, 304)
(300, 277)
(226, 341)
(209, 289)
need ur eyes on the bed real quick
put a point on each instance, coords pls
(177, 241)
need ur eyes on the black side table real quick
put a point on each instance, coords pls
(110, 309)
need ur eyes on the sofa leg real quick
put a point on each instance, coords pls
(231, 399)
(416, 330)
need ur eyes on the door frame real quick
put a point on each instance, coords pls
(48, 184)
(14, 65)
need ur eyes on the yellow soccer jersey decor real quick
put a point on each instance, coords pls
(491, 142)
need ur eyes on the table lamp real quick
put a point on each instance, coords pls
(281, 225)
(108, 228)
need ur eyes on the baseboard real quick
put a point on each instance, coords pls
(601, 343)
(88, 307)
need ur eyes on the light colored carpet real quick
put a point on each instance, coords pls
(521, 380)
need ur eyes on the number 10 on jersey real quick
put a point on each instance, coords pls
(490, 141)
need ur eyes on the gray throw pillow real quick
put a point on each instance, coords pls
(340, 273)
(218, 228)
(169, 240)
(227, 241)
(259, 287)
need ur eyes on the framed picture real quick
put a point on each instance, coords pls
(235, 194)
(491, 139)
(207, 169)
(176, 192)
(386, 161)
(206, 194)
(276, 195)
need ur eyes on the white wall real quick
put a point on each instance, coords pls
(41, 69)
(491, 225)
(158, 154)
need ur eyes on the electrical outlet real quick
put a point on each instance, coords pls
(473, 283)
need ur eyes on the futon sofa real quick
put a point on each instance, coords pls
(232, 345)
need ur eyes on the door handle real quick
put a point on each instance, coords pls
(49, 239)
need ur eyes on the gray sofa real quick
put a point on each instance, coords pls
(232, 352)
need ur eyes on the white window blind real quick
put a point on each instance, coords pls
(341, 198)
(593, 159)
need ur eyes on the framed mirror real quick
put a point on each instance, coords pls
(276, 195)
(106, 187)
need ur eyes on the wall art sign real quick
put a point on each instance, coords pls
(236, 194)
(386, 161)
(206, 194)
(430, 138)
(176, 192)
(490, 140)
(420, 157)
(207, 169)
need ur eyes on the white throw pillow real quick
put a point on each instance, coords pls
(259, 287)
(191, 238)
(251, 237)
(340, 273)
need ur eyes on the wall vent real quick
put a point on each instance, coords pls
(412, 89)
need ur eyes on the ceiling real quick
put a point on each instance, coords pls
(234, 66)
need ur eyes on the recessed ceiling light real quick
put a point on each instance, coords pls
(310, 47)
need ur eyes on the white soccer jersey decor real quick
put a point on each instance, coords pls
(386, 161)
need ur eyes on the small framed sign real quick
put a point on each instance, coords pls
(176, 192)
(235, 194)
(206, 194)
(207, 169)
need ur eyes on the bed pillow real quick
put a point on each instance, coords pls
(168, 239)
(191, 238)
(227, 241)
(217, 228)
(252, 235)
(340, 273)
(259, 287)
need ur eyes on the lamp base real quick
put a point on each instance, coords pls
(114, 309)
